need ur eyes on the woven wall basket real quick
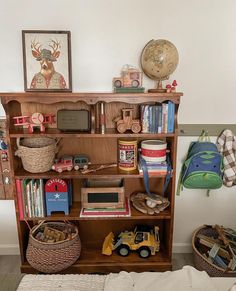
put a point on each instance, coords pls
(201, 263)
(37, 154)
(53, 257)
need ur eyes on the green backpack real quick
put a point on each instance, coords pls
(203, 166)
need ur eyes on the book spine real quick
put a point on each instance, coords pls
(145, 125)
(159, 119)
(19, 198)
(164, 117)
(171, 116)
(42, 197)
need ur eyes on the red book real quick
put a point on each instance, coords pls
(19, 198)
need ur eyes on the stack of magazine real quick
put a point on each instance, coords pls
(107, 212)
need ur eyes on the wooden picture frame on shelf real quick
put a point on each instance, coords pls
(47, 60)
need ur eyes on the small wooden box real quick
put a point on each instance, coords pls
(103, 194)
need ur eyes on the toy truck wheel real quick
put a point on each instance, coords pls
(69, 168)
(121, 128)
(144, 252)
(123, 250)
(135, 83)
(76, 167)
(85, 167)
(117, 84)
(59, 170)
(136, 128)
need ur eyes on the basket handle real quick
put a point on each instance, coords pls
(39, 224)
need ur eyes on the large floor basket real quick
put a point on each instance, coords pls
(37, 154)
(201, 263)
(53, 257)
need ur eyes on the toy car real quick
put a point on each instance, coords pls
(145, 240)
(63, 164)
(127, 122)
(81, 162)
(130, 77)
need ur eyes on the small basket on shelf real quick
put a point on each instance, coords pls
(37, 154)
(200, 261)
(53, 257)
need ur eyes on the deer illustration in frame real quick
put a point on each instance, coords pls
(47, 60)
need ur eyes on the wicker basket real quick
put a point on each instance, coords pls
(37, 154)
(53, 257)
(201, 263)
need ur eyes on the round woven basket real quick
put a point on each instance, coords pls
(37, 154)
(201, 263)
(53, 257)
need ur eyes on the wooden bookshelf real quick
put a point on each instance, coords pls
(93, 230)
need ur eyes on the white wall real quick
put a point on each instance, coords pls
(106, 34)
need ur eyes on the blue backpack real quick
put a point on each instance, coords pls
(203, 166)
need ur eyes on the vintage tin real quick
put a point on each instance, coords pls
(153, 150)
(127, 155)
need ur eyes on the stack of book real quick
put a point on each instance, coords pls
(155, 168)
(31, 200)
(129, 90)
(158, 118)
(107, 212)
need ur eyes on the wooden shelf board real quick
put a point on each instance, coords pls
(110, 132)
(76, 208)
(105, 173)
(91, 260)
(89, 98)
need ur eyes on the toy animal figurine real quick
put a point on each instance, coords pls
(37, 120)
(127, 122)
(143, 239)
(130, 77)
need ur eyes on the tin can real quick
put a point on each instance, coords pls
(127, 154)
(153, 150)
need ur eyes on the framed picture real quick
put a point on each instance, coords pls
(47, 60)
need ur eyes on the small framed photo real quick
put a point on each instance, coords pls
(47, 60)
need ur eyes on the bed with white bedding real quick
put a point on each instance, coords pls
(186, 279)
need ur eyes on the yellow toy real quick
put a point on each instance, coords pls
(143, 239)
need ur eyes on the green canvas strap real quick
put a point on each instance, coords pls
(204, 136)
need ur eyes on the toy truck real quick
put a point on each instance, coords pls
(127, 122)
(142, 239)
(130, 77)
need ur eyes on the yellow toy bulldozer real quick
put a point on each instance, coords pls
(143, 239)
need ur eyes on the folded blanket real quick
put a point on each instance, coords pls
(187, 279)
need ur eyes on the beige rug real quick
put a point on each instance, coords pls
(62, 283)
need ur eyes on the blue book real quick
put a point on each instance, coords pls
(171, 117)
(159, 118)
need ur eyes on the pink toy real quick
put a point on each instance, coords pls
(171, 88)
(168, 88)
(35, 120)
(174, 85)
(64, 164)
